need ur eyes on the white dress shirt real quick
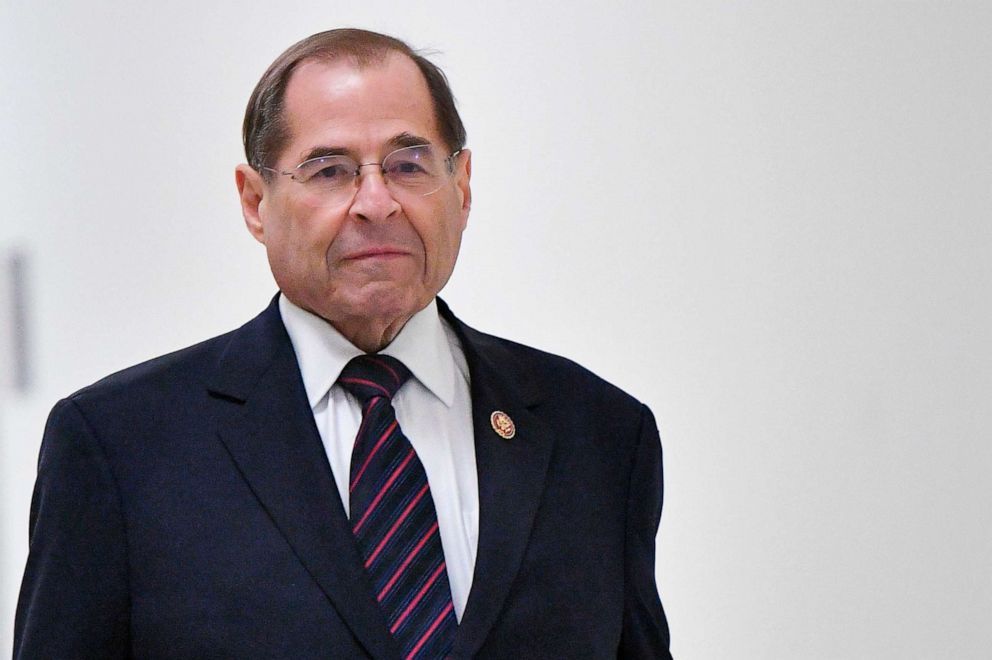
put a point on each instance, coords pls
(434, 409)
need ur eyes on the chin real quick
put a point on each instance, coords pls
(387, 303)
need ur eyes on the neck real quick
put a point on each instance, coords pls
(371, 335)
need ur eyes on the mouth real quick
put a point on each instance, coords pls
(382, 252)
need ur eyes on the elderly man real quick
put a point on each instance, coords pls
(354, 473)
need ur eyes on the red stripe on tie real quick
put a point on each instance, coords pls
(365, 415)
(416, 599)
(388, 368)
(372, 453)
(368, 383)
(393, 477)
(430, 631)
(406, 512)
(406, 562)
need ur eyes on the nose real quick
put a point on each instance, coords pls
(373, 200)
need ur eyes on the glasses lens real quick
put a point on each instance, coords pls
(414, 169)
(327, 173)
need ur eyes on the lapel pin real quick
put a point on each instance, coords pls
(502, 424)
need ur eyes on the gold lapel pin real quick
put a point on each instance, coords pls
(502, 424)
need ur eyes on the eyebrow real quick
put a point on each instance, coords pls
(323, 152)
(407, 140)
(398, 141)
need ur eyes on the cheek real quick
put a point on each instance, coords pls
(308, 234)
(442, 234)
(452, 230)
(447, 241)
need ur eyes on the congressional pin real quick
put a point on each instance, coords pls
(502, 424)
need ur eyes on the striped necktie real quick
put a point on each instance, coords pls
(393, 516)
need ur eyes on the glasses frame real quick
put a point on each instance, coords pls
(448, 164)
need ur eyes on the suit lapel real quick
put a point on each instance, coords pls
(268, 428)
(511, 479)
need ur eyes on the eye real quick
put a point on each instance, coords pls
(330, 171)
(404, 167)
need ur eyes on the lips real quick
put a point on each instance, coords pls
(379, 252)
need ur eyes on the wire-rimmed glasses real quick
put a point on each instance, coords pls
(416, 170)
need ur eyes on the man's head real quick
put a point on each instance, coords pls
(367, 254)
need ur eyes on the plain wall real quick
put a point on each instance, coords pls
(770, 221)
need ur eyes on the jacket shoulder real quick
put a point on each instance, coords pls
(179, 369)
(177, 375)
(536, 371)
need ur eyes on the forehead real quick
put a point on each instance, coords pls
(341, 104)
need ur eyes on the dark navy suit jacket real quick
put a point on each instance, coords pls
(185, 508)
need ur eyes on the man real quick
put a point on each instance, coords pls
(354, 473)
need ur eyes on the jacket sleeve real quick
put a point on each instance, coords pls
(74, 598)
(645, 628)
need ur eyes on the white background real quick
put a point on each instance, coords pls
(770, 221)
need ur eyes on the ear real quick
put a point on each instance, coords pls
(251, 189)
(463, 182)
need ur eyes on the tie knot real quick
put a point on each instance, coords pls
(371, 375)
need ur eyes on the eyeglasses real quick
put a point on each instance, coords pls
(418, 170)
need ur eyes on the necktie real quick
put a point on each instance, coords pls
(393, 516)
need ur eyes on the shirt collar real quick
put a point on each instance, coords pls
(322, 352)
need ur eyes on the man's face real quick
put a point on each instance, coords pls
(369, 262)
